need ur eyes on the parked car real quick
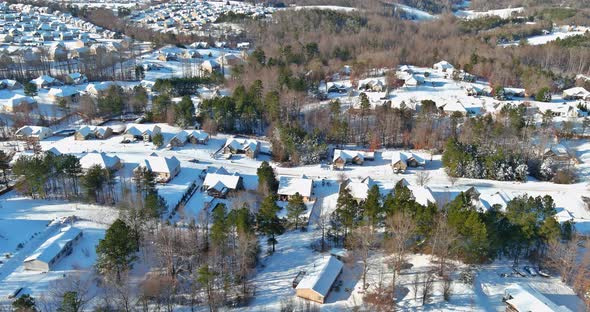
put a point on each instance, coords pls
(544, 274)
(530, 270)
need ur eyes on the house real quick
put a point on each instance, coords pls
(98, 88)
(400, 161)
(76, 78)
(318, 280)
(168, 56)
(35, 132)
(53, 250)
(413, 81)
(101, 159)
(343, 157)
(191, 54)
(372, 85)
(359, 189)
(229, 60)
(165, 168)
(45, 81)
(179, 139)
(443, 67)
(198, 137)
(487, 201)
(219, 183)
(142, 132)
(248, 147)
(11, 102)
(289, 186)
(9, 84)
(68, 93)
(58, 52)
(93, 132)
(522, 297)
(557, 153)
(333, 87)
(577, 93)
(210, 66)
(422, 194)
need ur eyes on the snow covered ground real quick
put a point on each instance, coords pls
(415, 13)
(503, 13)
(325, 7)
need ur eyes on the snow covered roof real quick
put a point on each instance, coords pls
(487, 200)
(525, 298)
(33, 131)
(359, 189)
(221, 178)
(198, 134)
(43, 79)
(160, 164)
(54, 245)
(322, 276)
(241, 144)
(576, 92)
(349, 155)
(138, 130)
(103, 160)
(443, 65)
(63, 91)
(289, 186)
(11, 99)
(422, 194)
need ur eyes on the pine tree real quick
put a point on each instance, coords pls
(295, 208)
(267, 181)
(219, 228)
(268, 222)
(347, 212)
(372, 206)
(30, 89)
(24, 303)
(70, 302)
(185, 112)
(158, 140)
(116, 252)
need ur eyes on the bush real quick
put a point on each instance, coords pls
(566, 176)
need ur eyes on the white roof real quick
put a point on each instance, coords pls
(43, 79)
(359, 189)
(577, 91)
(198, 134)
(347, 155)
(422, 194)
(33, 131)
(322, 276)
(487, 200)
(8, 98)
(63, 91)
(139, 129)
(526, 298)
(241, 144)
(444, 65)
(51, 247)
(101, 159)
(289, 186)
(160, 164)
(221, 178)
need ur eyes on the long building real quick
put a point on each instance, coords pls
(53, 250)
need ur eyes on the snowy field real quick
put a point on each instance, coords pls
(503, 13)
(324, 7)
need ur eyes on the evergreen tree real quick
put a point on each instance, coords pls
(93, 182)
(347, 213)
(372, 206)
(295, 208)
(267, 181)
(70, 302)
(116, 252)
(185, 113)
(24, 303)
(30, 89)
(268, 222)
(158, 140)
(220, 227)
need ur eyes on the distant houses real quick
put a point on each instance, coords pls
(33, 132)
(318, 281)
(400, 161)
(53, 250)
(219, 183)
(102, 160)
(289, 186)
(248, 147)
(344, 157)
(192, 136)
(142, 132)
(93, 132)
(165, 168)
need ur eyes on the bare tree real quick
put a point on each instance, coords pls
(423, 177)
(447, 287)
(401, 228)
(453, 180)
(427, 287)
(78, 287)
(562, 258)
(362, 241)
(443, 242)
(323, 222)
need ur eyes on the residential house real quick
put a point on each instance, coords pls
(76, 78)
(333, 87)
(210, 66)
(372, 85)
(577, 93)
(219, 183)
(9, 84)
(289, 186)
(45, 82)
(248, 147)
(198, 137)
(443, 67)
(165, 168)
(319, 279)
(413, 81)
(359, 189)
(422, 194)
(11, 102)
(53, 250)
(400, 161)
(179, 139)
(229, 60)
(343, 157)
(34, 132)
(558, 153)
(142, 132)
(102, 160)
(58, 52)
(98, 88)
(93, 132)
(521, 297)
(67, 93)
